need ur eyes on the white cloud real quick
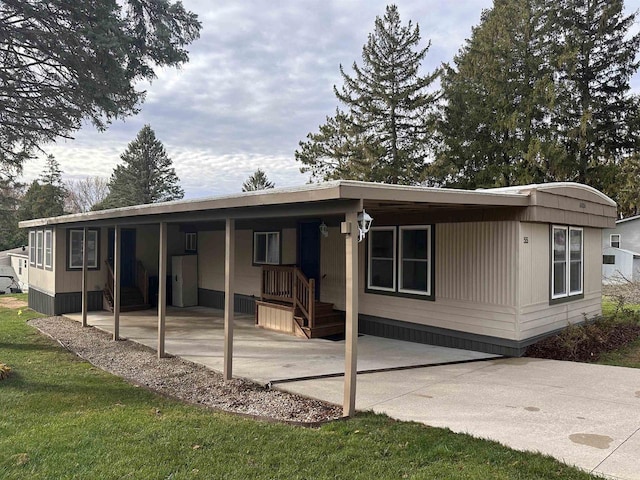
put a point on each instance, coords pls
(260, 78)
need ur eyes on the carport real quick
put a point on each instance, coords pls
(266, 357)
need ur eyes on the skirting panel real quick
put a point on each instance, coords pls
(411, 332)
(60, 303)
(215, 299)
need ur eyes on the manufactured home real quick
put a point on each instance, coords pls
(621, 252)
(489, 270)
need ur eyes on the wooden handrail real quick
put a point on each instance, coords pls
(288, 284)
(110, 281)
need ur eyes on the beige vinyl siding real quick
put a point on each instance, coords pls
(247, 276)
(537, 316)
(45, 279)
(475, 282)
(71, 280)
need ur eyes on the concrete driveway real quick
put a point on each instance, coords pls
(585, 415)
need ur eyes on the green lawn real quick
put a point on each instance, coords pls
(61, 418)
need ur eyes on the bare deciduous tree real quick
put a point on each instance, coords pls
(84, 193)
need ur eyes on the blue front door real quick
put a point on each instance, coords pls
(309, 250)
(127, 255)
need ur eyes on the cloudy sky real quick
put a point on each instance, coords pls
(260, 78)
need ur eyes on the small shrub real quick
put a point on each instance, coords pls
(4, 371)
(587, 341)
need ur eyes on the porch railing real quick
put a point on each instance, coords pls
(110, 282)
(142, 281)
(287, 284)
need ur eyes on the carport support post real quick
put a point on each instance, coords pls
(116, 283)
(162, 287)
(229, 293)
(85, 259)
(351, 315)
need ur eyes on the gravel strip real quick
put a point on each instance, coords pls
(181, 379)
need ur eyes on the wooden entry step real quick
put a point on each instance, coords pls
(281, 317)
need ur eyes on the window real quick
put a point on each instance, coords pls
(266, 248)
(39, 247)
(399, 260)
(567, 262)
(74, 252)
(414, 255)
(382, 259)
(48, 248)
(609, 259)
(191, 242)
(32, 247)
(614, 240)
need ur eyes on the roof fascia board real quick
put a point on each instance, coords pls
(317, 209)
(431, 195)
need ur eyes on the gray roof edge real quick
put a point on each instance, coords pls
(295, 194)
(629, 219)
(556, 185)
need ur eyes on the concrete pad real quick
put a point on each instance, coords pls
(197, 334)
(585, 415)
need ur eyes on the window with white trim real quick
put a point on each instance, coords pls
(266, 248)
(415, 260)
(74, 251)
(382, 259)
(48, 248)
(32, 247)
(399, 260)
(567, 269)
(39, 247)
(614, 240)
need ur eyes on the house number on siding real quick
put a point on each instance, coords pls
(526, 239)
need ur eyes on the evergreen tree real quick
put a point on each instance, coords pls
(498, 99)
(10, 235)
(595, 109)
(384, 135)
(337, 151)
(627, 187)
(45, 197)
(257, 181)
(145, 176)
(64, 62)
(540, 92)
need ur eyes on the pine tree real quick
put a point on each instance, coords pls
(64, 63)
(627, 187)
(595, 109)
(257, 181)
(338, 152)
(145, 176)
(10, 235)
(498, 99)
(384, 135)
(45, 197)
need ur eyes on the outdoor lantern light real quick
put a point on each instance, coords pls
(324, 230)
(364, 224)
